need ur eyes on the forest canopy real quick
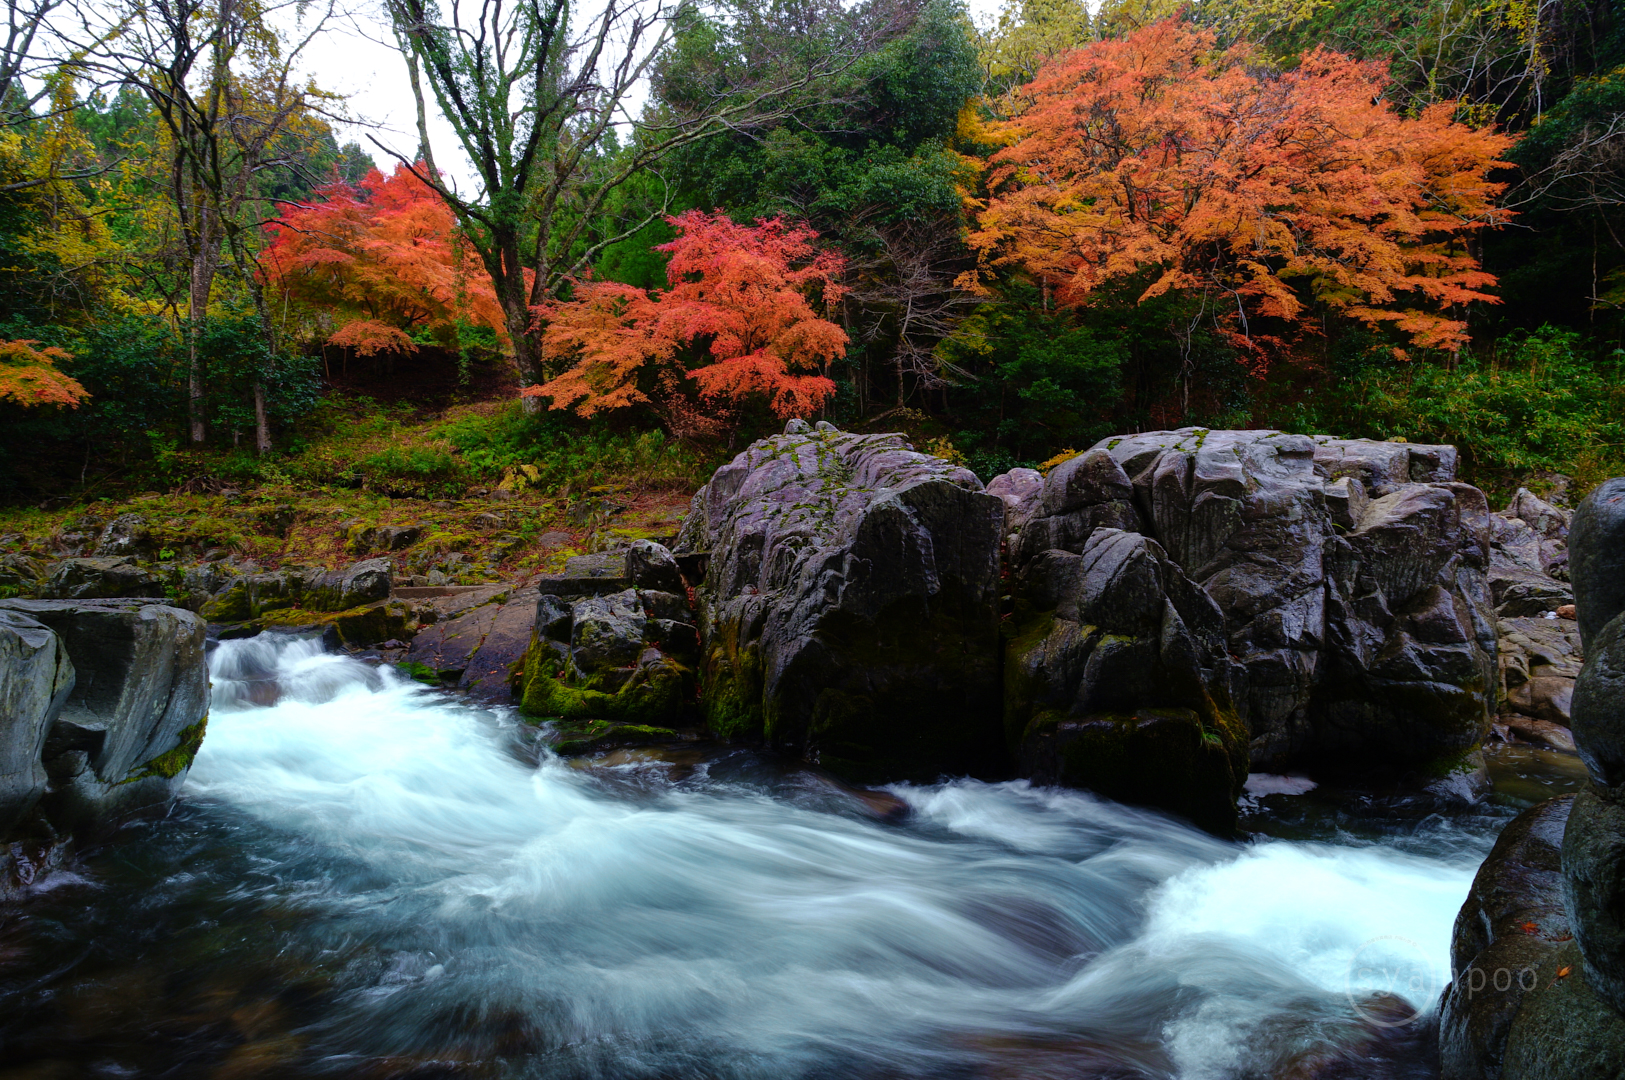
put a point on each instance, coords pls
(1011, 233)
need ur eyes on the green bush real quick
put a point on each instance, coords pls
(1531, 403)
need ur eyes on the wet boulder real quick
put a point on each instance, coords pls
(848, 611)
(100, 578)
(1511, 924)
(36, 677)
(1350, 575)
(1117, 679)
(626, 659)
(127, 731)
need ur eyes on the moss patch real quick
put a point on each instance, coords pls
(656, 695)
(573, 738)
(423, 673)
(171, 763)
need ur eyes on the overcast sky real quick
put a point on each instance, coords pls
(355, 60)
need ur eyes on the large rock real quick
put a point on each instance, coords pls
(1350, 575)
(241, 598)
(126, 733)
(100, 578)
(849, 609)
(1512, 922)
(1597, 558)
(621, 663)
(35, 679)
(1117, 680)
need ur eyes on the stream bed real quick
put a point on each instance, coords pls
(368, 878)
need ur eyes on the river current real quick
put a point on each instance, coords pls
(366, 877)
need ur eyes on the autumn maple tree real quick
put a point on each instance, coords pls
(29, 376)
(1266, 196)
(735, 322)
(378, 263)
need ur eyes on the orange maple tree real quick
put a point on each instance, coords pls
(378, 263)
(736, 320)
(1263, 193)
(29, 376)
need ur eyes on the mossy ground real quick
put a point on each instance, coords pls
(484, 522)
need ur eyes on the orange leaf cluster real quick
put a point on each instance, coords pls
(1261, 192)
(380, 259)
(29, 376)
(737, 302)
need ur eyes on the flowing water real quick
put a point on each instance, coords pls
(366, 877)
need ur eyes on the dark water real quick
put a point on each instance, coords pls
(368, 879)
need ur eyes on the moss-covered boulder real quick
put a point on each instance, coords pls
(849, 611)
(625, 658)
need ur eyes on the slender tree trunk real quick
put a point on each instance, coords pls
(262, 430)
(200, 285)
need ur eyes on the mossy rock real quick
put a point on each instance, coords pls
(233, 604)
(657, 694)
(171, 763)
(420, 672)
(574, 738)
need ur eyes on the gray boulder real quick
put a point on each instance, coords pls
(127, 731)
(849, 606)
(1597, 558)
(242, 597)
(613, 669)
(1117, 680)
(128, 535)
(100, 578)
(36, 677)
(1350, 574)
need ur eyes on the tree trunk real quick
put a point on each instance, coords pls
(262, 430)
(205, 259)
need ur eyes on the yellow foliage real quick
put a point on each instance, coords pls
(1055, 462)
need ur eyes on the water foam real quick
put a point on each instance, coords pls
(714, 927)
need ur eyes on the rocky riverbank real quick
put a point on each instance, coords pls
(1152, 620)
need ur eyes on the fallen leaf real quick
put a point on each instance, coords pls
(1563, 972)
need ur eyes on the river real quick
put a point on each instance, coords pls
(366, 877)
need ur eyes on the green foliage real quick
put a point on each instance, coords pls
(551, 451)
(1535, 402)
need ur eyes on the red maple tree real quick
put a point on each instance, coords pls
(1264, 194)
(736, 320)
(377, 264)
(29, 376)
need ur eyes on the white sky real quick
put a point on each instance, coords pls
(356, 59)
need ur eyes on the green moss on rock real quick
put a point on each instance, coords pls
(655, 695)
(420, 672)
(573, 738)
(171, 763)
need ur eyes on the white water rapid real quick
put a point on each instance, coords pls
(446, 898)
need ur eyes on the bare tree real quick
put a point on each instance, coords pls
(536, 102)
(20, 59)
(905, 297)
